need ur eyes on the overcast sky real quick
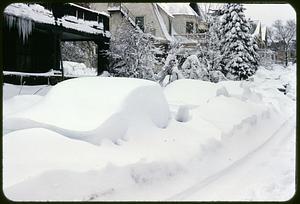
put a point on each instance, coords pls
(268, 13)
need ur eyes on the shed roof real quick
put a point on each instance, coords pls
(39, 14)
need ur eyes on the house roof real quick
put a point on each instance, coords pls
(165, 9)
(260, 30)
(178, 9)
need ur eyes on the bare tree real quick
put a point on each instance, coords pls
(285, 34)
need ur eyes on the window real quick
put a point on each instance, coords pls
(189, 27)
(139, 21)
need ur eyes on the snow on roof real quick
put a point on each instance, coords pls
(178, 9)
(165, 9)
(162, 24)
(38, 13)
(33, 12)
(94, 11)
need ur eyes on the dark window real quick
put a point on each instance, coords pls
(189, 27)
(139, 20)
(80, 14)
(170, 26)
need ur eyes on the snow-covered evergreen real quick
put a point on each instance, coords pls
(132, 53)
(238, 48)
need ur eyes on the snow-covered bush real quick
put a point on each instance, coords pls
(216, 76)
(170, 71)
(193, 69)
(132, 53)
(238, 48)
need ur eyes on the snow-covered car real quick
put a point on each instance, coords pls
(94, 108)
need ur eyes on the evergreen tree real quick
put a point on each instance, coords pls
(238, 48)
(132, 53)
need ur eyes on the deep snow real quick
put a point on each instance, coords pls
(194, 140)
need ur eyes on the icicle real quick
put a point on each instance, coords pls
(10, 21)
(24, 26)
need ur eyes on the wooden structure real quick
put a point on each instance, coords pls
(32, 39)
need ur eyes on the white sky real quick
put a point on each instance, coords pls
(268, 13)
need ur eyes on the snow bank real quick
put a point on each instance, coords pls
(84, 172)
(224, 105)
(10, 90)
(196, 92)
(93, 108)
(191, 92)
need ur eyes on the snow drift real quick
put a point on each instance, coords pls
(95, 107)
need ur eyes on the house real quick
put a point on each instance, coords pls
(260, 33)
(167, 22)
(32, 35)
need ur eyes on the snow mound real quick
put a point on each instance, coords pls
(223, 105)
(93, 108)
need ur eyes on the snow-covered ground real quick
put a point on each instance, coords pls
(99, 138)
